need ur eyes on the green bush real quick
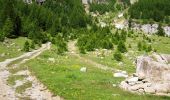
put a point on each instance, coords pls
(118, 56)
(121, 47)
(26, 46)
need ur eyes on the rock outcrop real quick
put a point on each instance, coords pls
(152, 75)
(150, 28)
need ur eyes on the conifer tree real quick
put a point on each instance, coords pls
(32, 45)
(26, 46)
(121, 47)
(117, 56)
(160, 31)
(8, 27)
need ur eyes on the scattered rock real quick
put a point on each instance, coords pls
(114, 85)
(116, 94)
(83, 69)
(121, 74)
(51, 60)
(133, 79)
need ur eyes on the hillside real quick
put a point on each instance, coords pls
(84, 50)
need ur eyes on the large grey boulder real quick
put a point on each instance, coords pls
(152, 75)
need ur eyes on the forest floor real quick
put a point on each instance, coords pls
(20, 84)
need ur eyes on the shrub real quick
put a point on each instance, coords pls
(26, 46)
(121, 47)
(2, 36)
(32, 45)
(117, 56)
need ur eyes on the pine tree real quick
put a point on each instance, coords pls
(17, 26)
(121, 47)
(32, 45)
(8, 27)
(149, 49)
(26, 46)
(2, 36)
(160, 31)
(118, 56)
(139, 46)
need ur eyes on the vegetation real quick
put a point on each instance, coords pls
(12, 48)
(39, 23)
(60, 21)
(103, 7)
(64, 78)
(160, 31)
(117, 56)
(26, 46)
(157, 10)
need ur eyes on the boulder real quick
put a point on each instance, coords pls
(152, 67)
(152, 75)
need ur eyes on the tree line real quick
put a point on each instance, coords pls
(42, 23)
(156, 10)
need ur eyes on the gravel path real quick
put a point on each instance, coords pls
(37, 91)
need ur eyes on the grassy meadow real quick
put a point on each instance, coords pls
(63, 78)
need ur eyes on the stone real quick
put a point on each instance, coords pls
(83, 69)
(114, 85)
(132, 83)
(150, 90)
(141, 90)
(133, 79)
(51, 60)
(120, 74)
(116, 94)
(124, 85)
(151, 77)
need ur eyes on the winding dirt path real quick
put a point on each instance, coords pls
(36, 92)
(73, 50)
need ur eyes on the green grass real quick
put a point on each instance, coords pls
(11, 79)
(161, 44)
(22, 88)
(14, 50)
(64, 78)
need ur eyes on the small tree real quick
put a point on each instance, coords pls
(118, 56)
(149, 49)
(2, 36)
(160, 31)
(130, 46)
(139, 46)
(8, 27)
(26, 46)
(121, 47)
(82, 50)
(32, 45)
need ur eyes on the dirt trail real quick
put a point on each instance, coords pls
(73, 50)
(37, 91)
